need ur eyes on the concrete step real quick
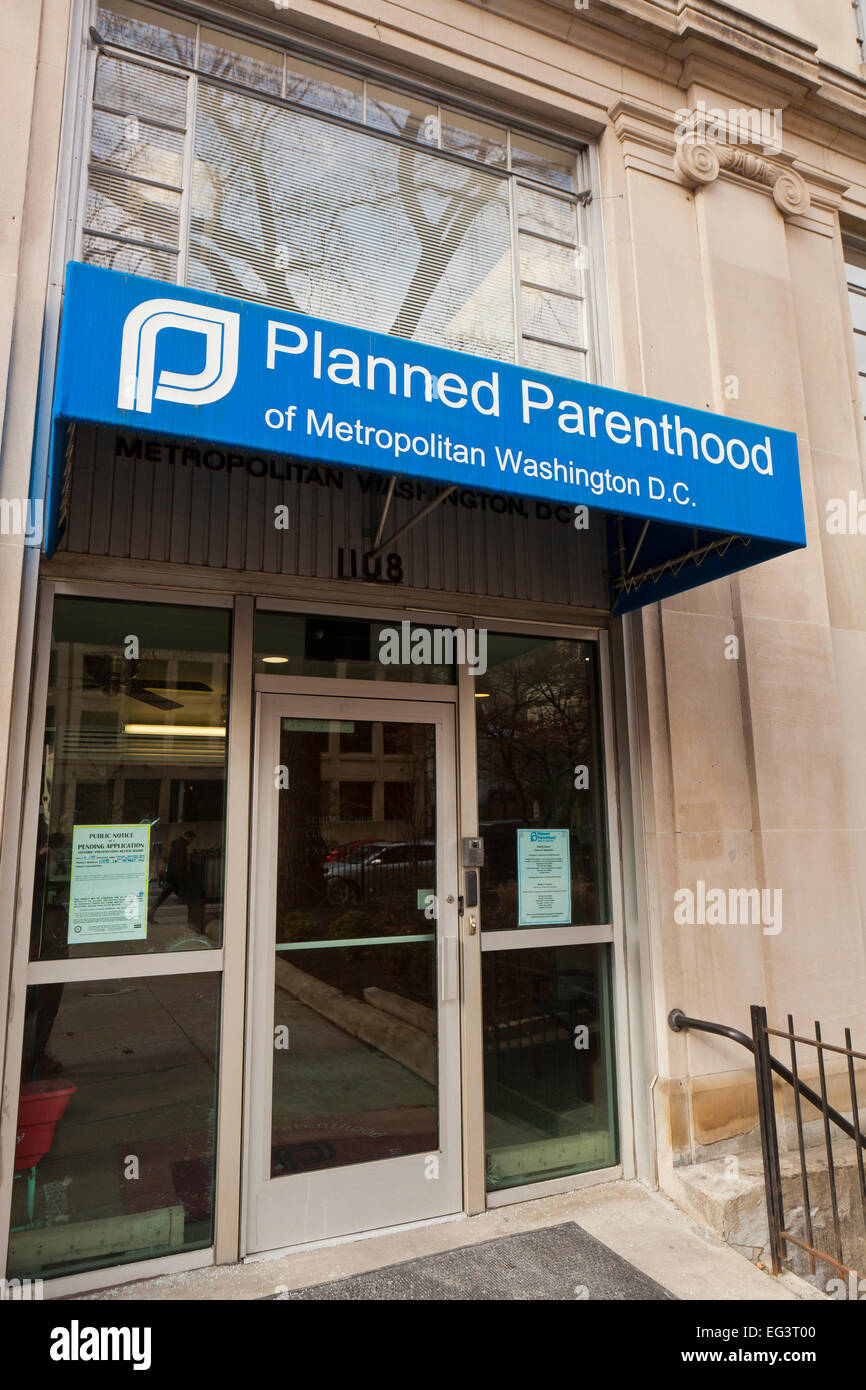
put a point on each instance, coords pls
(726, 1195)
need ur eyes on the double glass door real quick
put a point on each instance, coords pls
(353, 1080)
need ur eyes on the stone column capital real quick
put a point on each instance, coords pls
(699, 161)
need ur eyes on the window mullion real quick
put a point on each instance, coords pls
(186, 179)
(515, 267)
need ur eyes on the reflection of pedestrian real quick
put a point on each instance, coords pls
(42, 1007)
(177, 870)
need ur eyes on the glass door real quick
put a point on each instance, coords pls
(353, 1075)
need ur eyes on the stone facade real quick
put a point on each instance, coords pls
(725, 290)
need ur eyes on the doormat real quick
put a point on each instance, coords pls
(555, 1262)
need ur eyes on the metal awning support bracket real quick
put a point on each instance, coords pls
(380, 546)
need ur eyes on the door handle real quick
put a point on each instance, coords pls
(448, 968)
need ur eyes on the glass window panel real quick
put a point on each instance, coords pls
(863, 393)
(117, 716)
(549, 1086)
(543, 162)
(549, 315)
(349, 648)
(325, 89)
(334, 222)
(356, 801)
(238, 61)
(355, 947)
(115, 1147)
(141, 798)
(132, 260)
(540, 766)
(561, 361)
(549, 216)
(133, 146)
(473, 139)
(137, 26)
(545, 263)
(123, 207)
(860, 349)
(855, 264)
(858, 310)
(357, 740)
(136, 90)
(402, 114)
(399, 801)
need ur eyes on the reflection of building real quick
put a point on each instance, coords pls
(114, 772)
(111, 757)
(374, 784)
(518, 196)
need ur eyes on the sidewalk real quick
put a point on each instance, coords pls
(642, 1227)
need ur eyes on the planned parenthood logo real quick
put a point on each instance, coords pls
(143, 325)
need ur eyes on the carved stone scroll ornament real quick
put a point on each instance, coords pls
(699, 162)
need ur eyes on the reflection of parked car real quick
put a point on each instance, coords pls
(389, 870)
(356, 849)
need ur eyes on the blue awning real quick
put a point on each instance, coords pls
(685, 495)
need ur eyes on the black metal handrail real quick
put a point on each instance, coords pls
(678, 1021)
(765, 1064)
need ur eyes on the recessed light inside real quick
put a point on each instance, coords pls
(177, 730)
(275, 660)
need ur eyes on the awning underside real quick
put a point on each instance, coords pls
(647, 560)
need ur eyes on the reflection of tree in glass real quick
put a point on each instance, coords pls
(329, 220)
(147, 37)
(534, 728)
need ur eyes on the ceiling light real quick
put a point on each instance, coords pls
(276, 660)
(177, 730)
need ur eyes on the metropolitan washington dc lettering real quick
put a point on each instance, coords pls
(665, 436)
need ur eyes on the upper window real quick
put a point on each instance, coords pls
(860, 20)
(855, 269)
(251, 171)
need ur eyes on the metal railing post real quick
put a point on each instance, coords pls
(769, 1136)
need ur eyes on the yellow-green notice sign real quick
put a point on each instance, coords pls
(108, 891)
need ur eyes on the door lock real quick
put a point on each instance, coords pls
(473, 926)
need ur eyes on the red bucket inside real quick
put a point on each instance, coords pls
(40, 1107)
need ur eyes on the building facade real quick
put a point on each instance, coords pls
(364, 814)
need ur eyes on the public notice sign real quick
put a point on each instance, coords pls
(543, 878)
(108, 891)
